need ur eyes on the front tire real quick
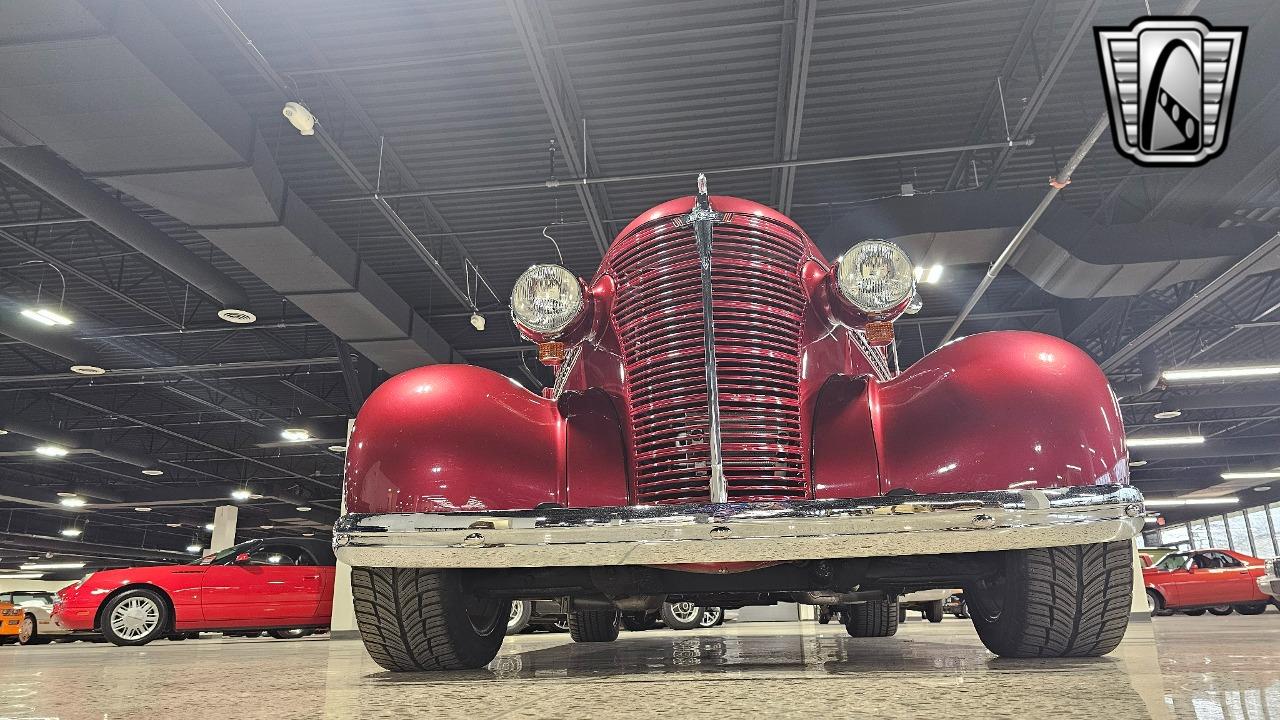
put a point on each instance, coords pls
(1197, 613)
(1056, 602)
(520, 617)
(135, 617)
(1251, 608)
(874, 618)
(1221, 610)
(412, 619)
(681, 615)
(594, 625)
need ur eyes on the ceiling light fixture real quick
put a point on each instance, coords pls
(337, 448)
(304, 508)
(1182, 502)
(267, 527)
(477, 321)
(1167, 414)
(88, 370)
(71, 532)
(46, 317)
(1221, 373)
(295, 434)
(174, 525)
(237, 316)
(300, 118)
(928, 275)
(1137, 463)
(52, 451)
(194, 548)
(22, 576)
(1164, 441)
(153, 472)
(1251, 475)
(142, 509)
(241, 494)
(4, 432)
(72, 502)
(1262, 488)
(208, 526)
(51, 566)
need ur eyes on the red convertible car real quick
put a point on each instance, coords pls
(727, 428)
(1215, 580)
(276, 585)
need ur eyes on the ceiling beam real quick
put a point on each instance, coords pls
(791, 100)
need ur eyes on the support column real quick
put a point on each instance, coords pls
(224, 527)
(342, 624)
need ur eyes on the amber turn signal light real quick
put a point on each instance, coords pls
(879, 334)
(551, 354)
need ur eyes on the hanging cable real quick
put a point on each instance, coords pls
(553, 243)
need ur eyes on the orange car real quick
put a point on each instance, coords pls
(10, 622)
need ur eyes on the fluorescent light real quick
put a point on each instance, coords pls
(194, 548)
(295, 434)
(1137, 463)
(174, 524)
(304, 508)
(1258, 475)
(1262, 488)
(1221, 373)
(266, 527)
(153, 472)
(142, 509)
(72, 501)
(1167, 414)
(240, 494)
(52, 451)
(1181, 502)
(52, 566)
(46, 317)
(337, 448)
(1161, 441)
(21, 576)
(88, 370)
(71, 532)
(928, 275)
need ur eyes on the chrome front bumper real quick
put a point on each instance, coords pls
(739, 532)
(1270, 585)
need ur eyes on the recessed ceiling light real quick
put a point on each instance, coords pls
(304, 508)
(1221, 373)
(337, 448)
(174, 524)
(295, 434)
(88, 370)
(71, 532)
(52, 566)
(1180, 502)
(1262, 488)
(267, 527)
(308, 534)
(1169, 440)
(52, 451)
(1251, 475)
(1137, 463)
(1167, 414)
(142, 509)
(194, 548)
(153, 472)
(44, 316)
(66, 494)
(209, 527)
(72, 501)
(237, 316)
(240, 494)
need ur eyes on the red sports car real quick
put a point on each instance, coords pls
(1215, 580)
(275, 585)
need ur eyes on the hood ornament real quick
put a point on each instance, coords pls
(703, 217)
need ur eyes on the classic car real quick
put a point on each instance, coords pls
(274, 585)
(727, 428)
(10, 622)
(1269, 583)
(1214, 579)
(37, 625)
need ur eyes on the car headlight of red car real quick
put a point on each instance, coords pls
(546, 300)
(876, 277)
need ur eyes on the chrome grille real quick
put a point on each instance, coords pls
(758, 305)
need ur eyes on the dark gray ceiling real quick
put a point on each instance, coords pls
(167, 101)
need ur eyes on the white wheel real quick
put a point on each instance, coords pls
(681, 615)
(135, 618)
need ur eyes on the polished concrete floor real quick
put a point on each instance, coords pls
(1173, 667)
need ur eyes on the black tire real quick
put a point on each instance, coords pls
(874, 618)
(594, 625)
(291, 634)
(680, 616)
(1056, 602)
(902, 613)
(824, 614)
(635, 622)
(150, 604)
(711, 617)
(1251, 608)
(1155, 603)
(933, 611)
(1196, 613)
(29, 633)
(520, 617)
(1223, 610)
(412, 619)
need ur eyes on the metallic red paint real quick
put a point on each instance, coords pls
(1197, 587)
(806, 416)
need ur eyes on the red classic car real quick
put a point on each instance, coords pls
(726, 429)
(1216, 580)
(276, 585)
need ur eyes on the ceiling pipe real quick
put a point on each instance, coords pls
(42, 168)
(1056, 185)
(554, 183)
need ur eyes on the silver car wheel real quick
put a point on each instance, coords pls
(685, 611)
(27, 630)
(135, 618)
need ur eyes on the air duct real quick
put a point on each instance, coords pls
(1146, 380)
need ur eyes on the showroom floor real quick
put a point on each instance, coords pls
(1208, 668)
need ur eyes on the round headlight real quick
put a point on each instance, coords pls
(546, 299)
(875, 276)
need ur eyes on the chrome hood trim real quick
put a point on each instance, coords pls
(738, 532)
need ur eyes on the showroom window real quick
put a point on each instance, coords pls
(1175, 535)
(1218, 532)
(1238, 533)
(1199, 534)
(1260, 530)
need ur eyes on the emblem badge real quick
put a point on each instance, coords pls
(1170, 86)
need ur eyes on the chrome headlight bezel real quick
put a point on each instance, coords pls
(862, 292)
(546, 324)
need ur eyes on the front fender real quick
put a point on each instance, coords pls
(443, 438)
(999, 410)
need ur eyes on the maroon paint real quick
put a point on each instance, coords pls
(986, 412)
